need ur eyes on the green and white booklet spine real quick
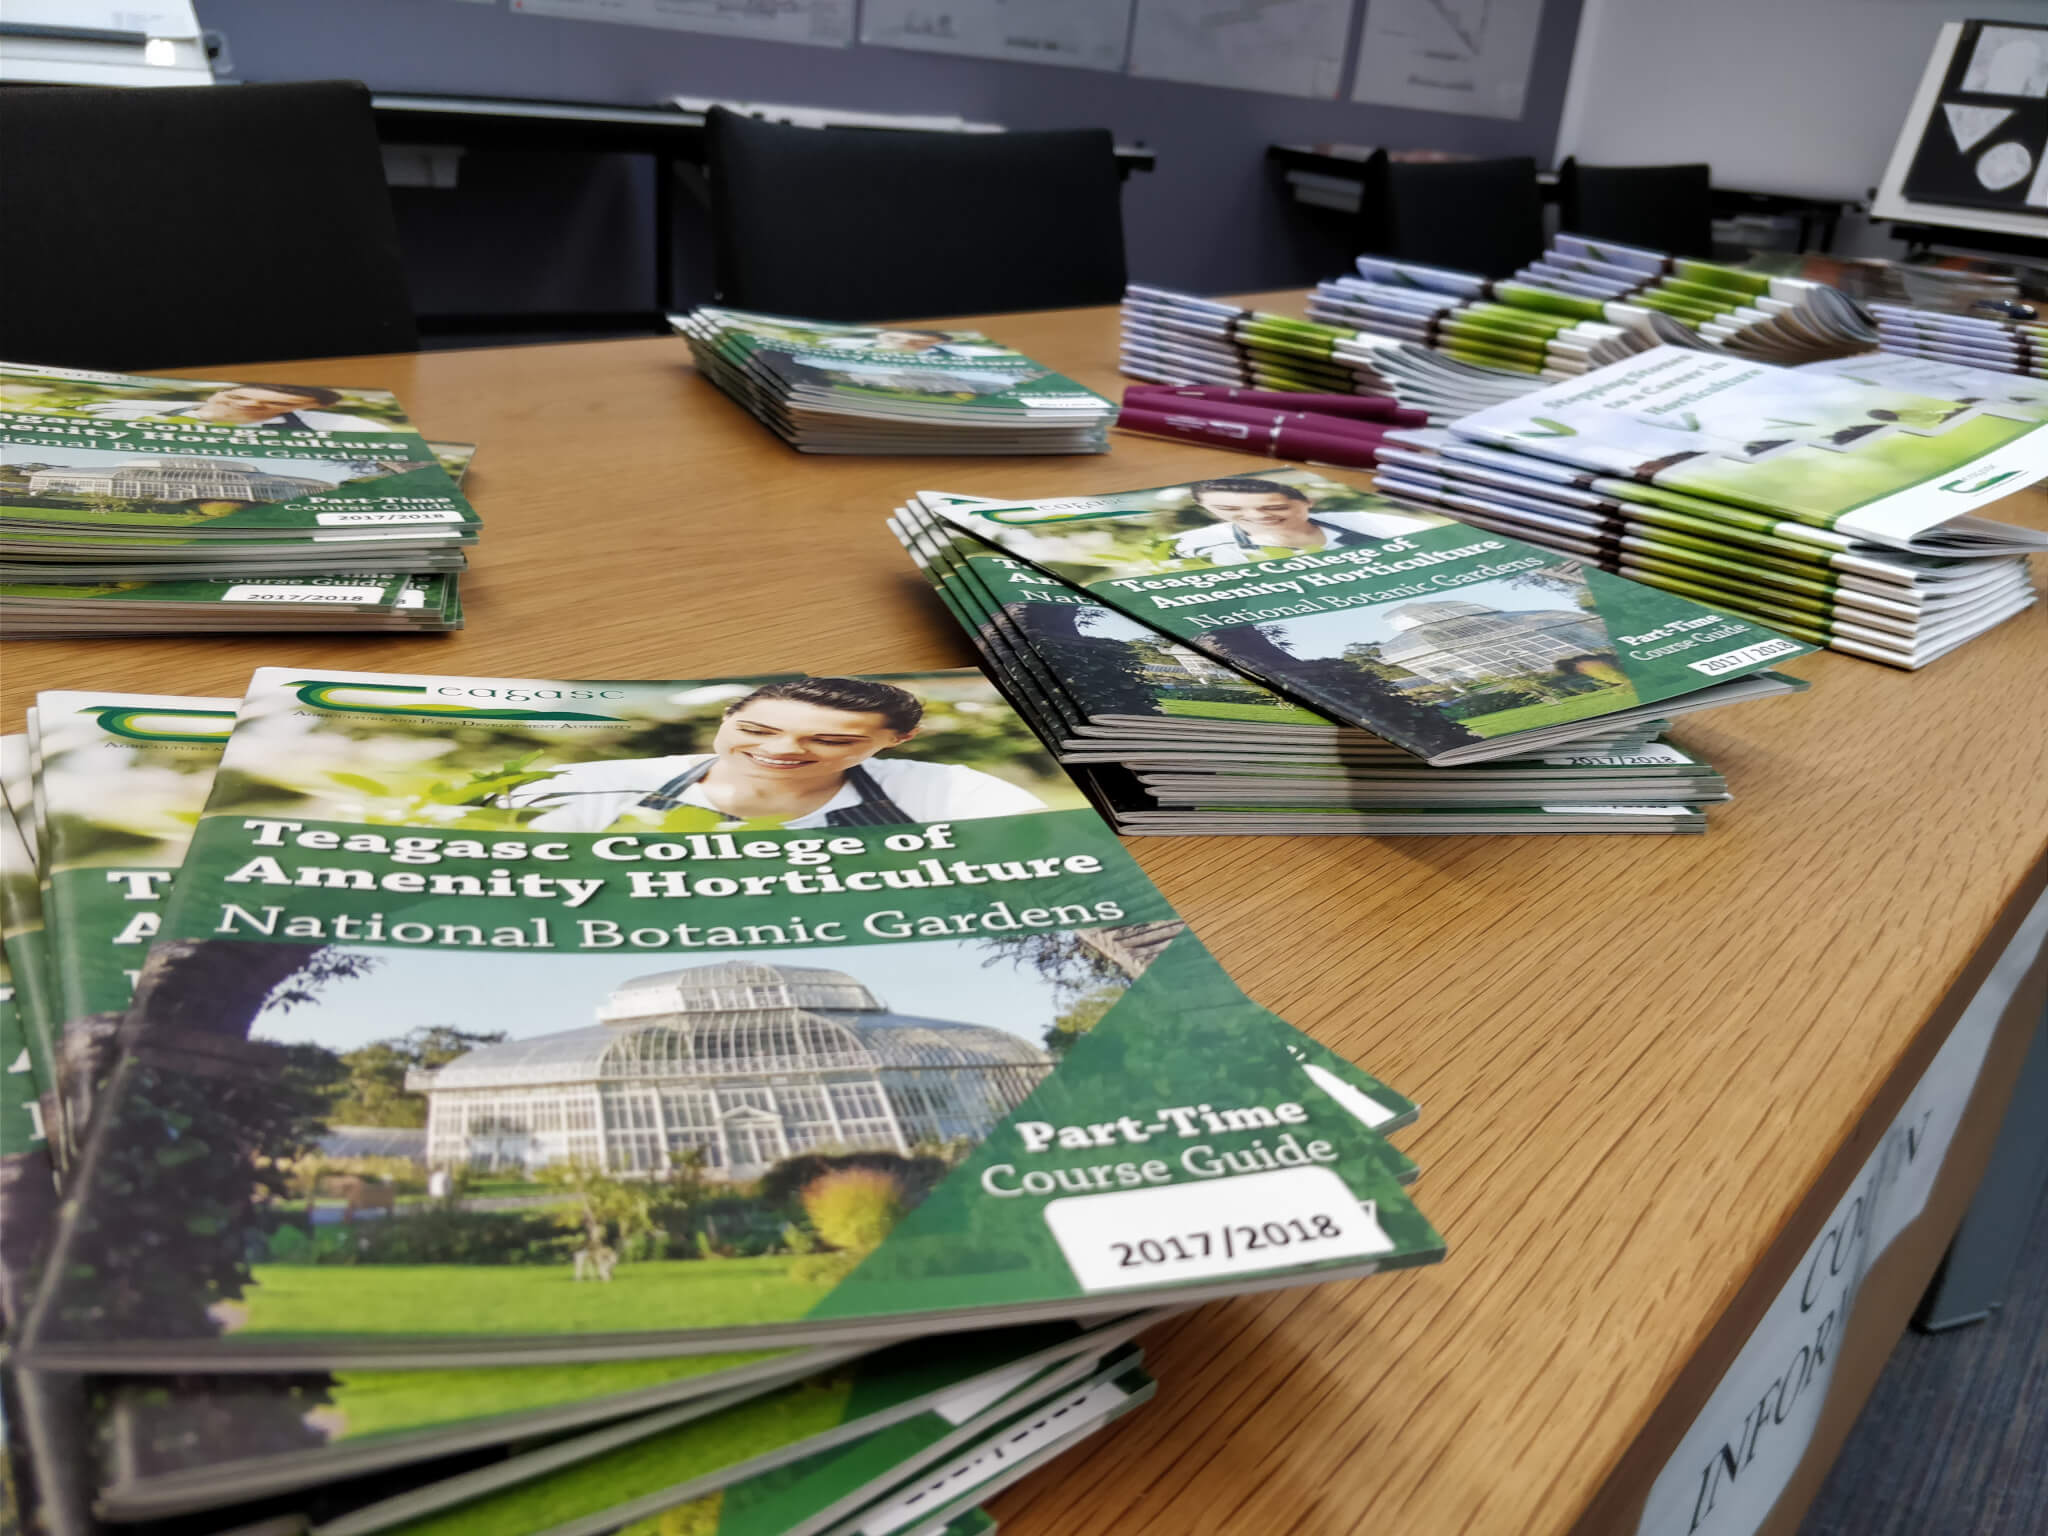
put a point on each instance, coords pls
(762, 1147)
(124, 776)
(1864, 461)
(1457, 644)
(32, 984)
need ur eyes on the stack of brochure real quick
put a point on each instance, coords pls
(1278, 652)
(1176, 338)
(136, 505)
(2000, 343)
(829, 388)
(756, 1105)
(1830, 501)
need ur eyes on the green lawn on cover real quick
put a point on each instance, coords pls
(698, 1449)
(387, 1402)
(1558, 712)
(308, 1300)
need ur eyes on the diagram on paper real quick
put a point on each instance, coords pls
(1289, 47)
(1470, 57)
(1088, 34)
(824, 23)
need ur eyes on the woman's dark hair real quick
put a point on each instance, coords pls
(319, 394)
(899, 708)
(1244, 485)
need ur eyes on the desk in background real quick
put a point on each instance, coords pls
(674, 138)
(1327, 176)
(1650, 1068)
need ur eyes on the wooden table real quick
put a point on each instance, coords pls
(1649, 1067)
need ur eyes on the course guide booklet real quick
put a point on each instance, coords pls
(124, 777)
(1871, 462)
(174, 1447)
(748, 1454)
(1455, 644)
(825, 1002)
(308, 414)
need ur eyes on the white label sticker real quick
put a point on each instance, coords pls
(1728, 661)
(958, 1407)
(360, 519)
(1230, 1226)
(1618, 810)
(1656, 753)
(1060, 1419)
(278, 592)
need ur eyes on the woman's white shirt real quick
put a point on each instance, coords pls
(589, 797)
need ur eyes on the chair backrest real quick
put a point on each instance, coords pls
(184, 226)
(1667, 208)
(875, 224)
(1482, 216)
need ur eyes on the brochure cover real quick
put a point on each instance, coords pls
(124, 777)
(1873, 463)
(25, 945)
(646, 1467)
(310, 414)
(898, 369)
(817, 1009)
(1455, 644)
(28, 1188)
(2009, 393)
(144, 482)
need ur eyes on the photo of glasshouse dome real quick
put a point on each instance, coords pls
(743, 1063)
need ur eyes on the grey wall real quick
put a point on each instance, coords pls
(558, 231)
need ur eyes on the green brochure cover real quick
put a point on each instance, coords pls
(646, 1467)
(286, 413)
(898, 368)
(124, 777)
(835, 1491)
(1107, 666)
(1867, 461)
(24, 942)
(1454, 643)
(2009, 393)
(812, 1010)
(143, 482)
(28, 1189)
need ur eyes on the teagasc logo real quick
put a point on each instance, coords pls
(1964, 486)
(321, 695)
(123, 720)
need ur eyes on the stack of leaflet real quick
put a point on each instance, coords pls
(530, 1228)
(1518, 327)
(1278, 652)
(1169, 741)
(1589, 303)
(826, 388)
(1176, 338)
(136, 505)
(1344, 430)
(1779, 319)
(2002, 344)
(1831, 501)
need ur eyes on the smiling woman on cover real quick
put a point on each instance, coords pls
(1262, 519)
(801, 754)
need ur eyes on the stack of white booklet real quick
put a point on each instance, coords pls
(136, 505)
(1834, 501)
(744, 1106)
(1313, 684)
(829, 388)
(1998, 342)
(1177, 338)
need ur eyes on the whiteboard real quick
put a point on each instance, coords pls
(1803, 98)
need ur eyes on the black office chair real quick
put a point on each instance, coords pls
(1667, 208)
(1483, 216)
(873, 224)
(189, 226)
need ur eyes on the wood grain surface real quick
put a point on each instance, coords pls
(1644, 1062)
